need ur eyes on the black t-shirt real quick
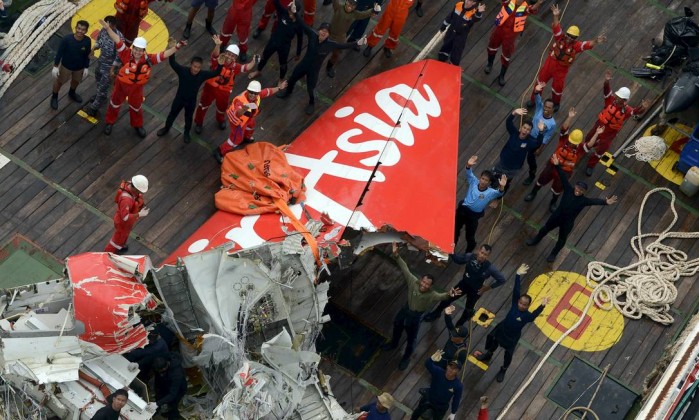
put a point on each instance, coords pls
(189, 84)
(106, 413)
(73, 54)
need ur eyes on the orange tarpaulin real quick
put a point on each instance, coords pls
(255, 177)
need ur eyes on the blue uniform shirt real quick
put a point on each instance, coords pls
(477, 200)
(550, 123)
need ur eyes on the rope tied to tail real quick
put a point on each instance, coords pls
(645, 287)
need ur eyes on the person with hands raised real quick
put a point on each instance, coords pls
(472, 207)
(444, 393)
(507, 333)
(542, 113)
(421, 297)
(563, 218)
(519, 143)
(570, 149)
(459, 22)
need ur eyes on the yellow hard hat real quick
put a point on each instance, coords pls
(575, 137)
(573, 31)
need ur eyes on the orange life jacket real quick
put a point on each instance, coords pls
(519, 11)
(125, 189)
(242, 120)
(567, 156)
(468, 15)
(224, 81)
(563, 52)
(136, 73)
(613, 116)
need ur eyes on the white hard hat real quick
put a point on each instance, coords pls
(255, 86)
(139, 42)
(140, 182)
(233, 49)
(623, 93)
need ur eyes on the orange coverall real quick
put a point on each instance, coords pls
(393, 20)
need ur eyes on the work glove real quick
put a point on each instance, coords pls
(443, 27)
(133, 367)
(377, 8)
(451, 417)
(54, 72)
(361, 41)
(523, 269)
(437, 356)
(143, 213)
(86, 71)
(151, 407)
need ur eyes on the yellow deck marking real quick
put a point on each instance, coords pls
(156, 33)
(477, 362)
(487, 322)
(87, 117)
(664, 165)
(569, 294)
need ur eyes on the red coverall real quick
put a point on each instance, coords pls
(561, 57)
(129, 14)
(217, 89)
(309, 11)
(129, 203)
(611, 126)
(129, 84)
(242, 127)
(568, 155)
(393, 20)
(239, 19)
(509, 23)
(267, 14)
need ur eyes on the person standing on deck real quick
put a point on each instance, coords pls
(72, 62)
(267, 13)
(241, 116)
(507, 333)
(455, 348)
(219, 89)
(478, 269)
(563, 218)
(104, 74)
(445, 389)
(509, 24)
(358, 27)
(542, 113)
(564, 49)
(194, 7)
(130, 208)
(190, 80)
(318, 49)
(568, 152)
(615, 113)
(459, 23)
(343, 17)
(519, 144)
(133, 75)
(472, 207)
(421, 297)
(392, 20)
(287, 26)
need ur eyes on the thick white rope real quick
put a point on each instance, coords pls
(30, 32)
(646, 149)
(645, 287)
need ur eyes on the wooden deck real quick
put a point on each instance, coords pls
(58, 186)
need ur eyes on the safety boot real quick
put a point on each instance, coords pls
(256, 33)
(501, 375)
(367, 51)
(209, 28)
(532, 195)
(489, 66)
(187, 31)
(418, 10)
(501, 77)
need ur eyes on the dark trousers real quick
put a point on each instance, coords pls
(410, 322)
(453, 47)
(472, 297)
(468, 218)
(531, 162)
(282, 51)
(104, 83)
(564, 229)
(424, 405)
(177, 104)
(492, 343)
(311, 73)
(357, 29)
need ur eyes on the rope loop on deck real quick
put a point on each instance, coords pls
(644, 287)
(647, 148)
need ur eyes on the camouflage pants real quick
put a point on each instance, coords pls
(104, 82)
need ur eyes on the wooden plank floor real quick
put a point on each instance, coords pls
(58, 187)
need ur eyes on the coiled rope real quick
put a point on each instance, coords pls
(647, 148)
(30, 32)
(645, 287)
